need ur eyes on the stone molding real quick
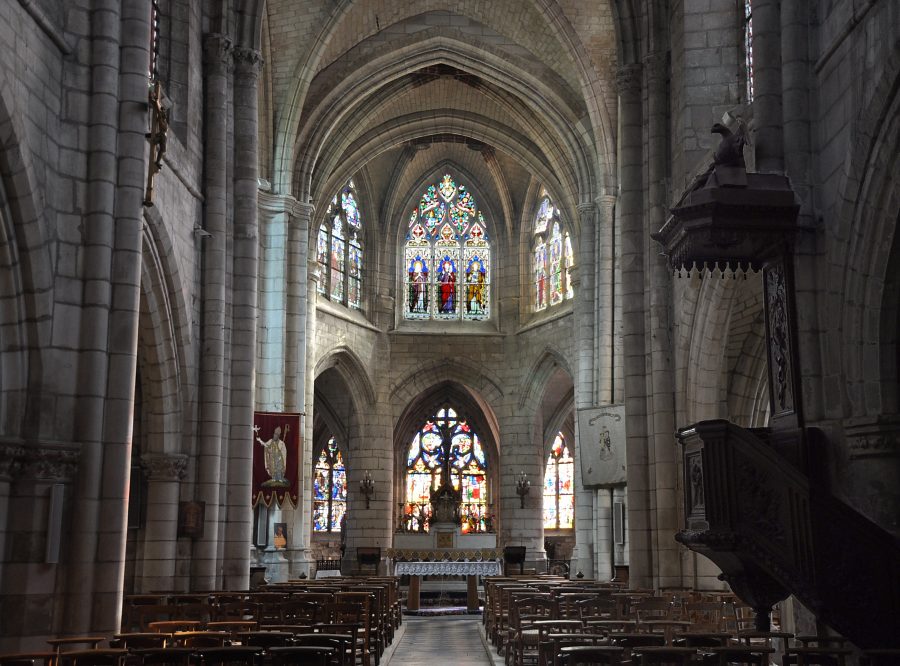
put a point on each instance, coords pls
(285, 203)
(38, 463)
(873, 438)
(629, 78)
(165, 466)
(656, 65)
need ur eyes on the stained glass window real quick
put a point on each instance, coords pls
(748, 50)
(446, 443)
(551, 257)
(329, 489)
(339, 249)
(447, 257)
(559, 496)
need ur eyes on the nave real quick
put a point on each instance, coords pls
(439, 640)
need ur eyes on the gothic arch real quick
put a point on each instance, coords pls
(27, 264)
(592, 89)
(532, 388)
(351, 369)
(162, 335)
(868, 221)
(485, 388)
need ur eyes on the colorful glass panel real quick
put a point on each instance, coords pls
(329, 489)
(570, 263)
(545, 212)
(351, 210)
(417, 283)
(458, 276)
(559, 488)
(556, 260)
(322, 258)
(445, 435)
(354, 278)
(540, 276)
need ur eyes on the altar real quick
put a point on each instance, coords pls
(445, 551)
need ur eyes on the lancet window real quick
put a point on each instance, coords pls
(329, 489)
(447, 256)
(559, 496)
(339, 249)
(552, 257)
(446, 446)
(748, 49)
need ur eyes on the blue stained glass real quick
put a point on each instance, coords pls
(431, 440)
(448, 187)
(329, 489)
(351, 210)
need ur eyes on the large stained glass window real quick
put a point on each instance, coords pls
(447, 257)
(329, 489)
(552, 258)
(339, 249)
(559, 496)
(446, 443)
(748, 50)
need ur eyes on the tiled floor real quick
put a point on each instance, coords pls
(445, 640)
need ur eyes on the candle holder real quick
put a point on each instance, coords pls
(523, 486)
(367, 487)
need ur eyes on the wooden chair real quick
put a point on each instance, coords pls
(347, 629)
(818, 655)
(589, 655)
(198, 639)
(343, 644)
(141, 639)
(171, 626)
(47, 658)
(301, 655)
(166, 656)
(232, 627)
(522, 637)
(266, 639)
(751, 655)
(559, 641)
(667, 655)
(235, 655)
(545, 628)
(597, 607)
(705, 615)
(349, 613)
(94, 657)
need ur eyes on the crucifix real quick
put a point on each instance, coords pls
(157, 136)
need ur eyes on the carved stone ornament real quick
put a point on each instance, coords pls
(695, 477)
(217, 49)
(247, 61)
(49, 463)
(11, 457)
(873, 438)
(165, 466)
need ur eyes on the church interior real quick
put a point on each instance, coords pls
(294, 288)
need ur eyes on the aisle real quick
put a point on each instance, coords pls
(440, 641)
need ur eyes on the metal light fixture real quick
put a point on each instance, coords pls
(367, 487)
(523, 486)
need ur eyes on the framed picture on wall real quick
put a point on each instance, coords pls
(279, 535)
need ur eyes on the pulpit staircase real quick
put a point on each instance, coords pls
(775, 529)
(757, 501)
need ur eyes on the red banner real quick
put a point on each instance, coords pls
(276, 458)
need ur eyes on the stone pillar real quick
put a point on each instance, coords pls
(217, 58)
(603, 534)
(661, 386)
(586, 305)
(634, 242)
(605, 308)
(165, 473)
(239, 519)
(33, 572)
(767, 116)
(306, 380)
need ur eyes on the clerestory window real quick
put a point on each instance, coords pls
(339, 249)
(552, 258)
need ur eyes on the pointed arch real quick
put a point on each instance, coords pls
(532, 388)
(351, 369)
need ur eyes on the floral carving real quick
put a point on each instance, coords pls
(779, 338)
(165, 467)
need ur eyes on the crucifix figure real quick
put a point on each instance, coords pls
(157, 136)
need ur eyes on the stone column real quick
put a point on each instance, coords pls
(661, 386)
(767, 116)
(603, 534)
(634, 241)
(306, 380)
(165, 473)
(217, 58)
(586, 305)
(605, 308)
(239, 519)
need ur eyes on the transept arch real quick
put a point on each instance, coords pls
(352, 371)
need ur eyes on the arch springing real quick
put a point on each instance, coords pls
(445, 443)
(447, 256)
(339, 249)
(559, 495)
(329, 489)
(552, 257)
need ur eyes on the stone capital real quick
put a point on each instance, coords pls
(247, 61)
(216, 49)
(11, 456)
(49, 463)
(165, 466)
(628, 78)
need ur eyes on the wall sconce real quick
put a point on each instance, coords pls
(523, 485)
(367, 487)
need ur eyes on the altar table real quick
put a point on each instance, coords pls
(470, 569)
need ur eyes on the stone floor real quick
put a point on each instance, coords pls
(446, 640)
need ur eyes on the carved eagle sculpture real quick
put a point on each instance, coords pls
(729, 153)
